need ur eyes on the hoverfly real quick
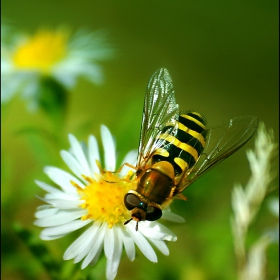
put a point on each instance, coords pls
(176, 149)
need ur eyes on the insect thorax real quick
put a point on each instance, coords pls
(156, 186)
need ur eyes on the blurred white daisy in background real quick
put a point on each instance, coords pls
(55, 54)
(93, 197)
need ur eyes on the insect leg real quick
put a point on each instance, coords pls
(126, 164)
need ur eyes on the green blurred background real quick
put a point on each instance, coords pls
(223, 58)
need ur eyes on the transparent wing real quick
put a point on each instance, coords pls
(221, 142)
(160, 108)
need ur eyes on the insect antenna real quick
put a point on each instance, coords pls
(126, 222)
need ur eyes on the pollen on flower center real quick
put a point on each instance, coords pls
(103, 198)
(41, 51)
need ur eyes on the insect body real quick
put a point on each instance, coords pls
(176, 149)
(183, 146)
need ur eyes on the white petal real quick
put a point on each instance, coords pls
(63, 203)
(157, 231)
(43, 236)
(97, 255)
(79, 154)
(109, 242)
(62, 179)
(128, 244)
(90, 243)
(48, 188)
(109, 149)
(151, 233)
(60, 218)
(170, 216)
(62, 196)
(60, 71)
(93, 153)
(45, 211)
(96, 247)
(114, 263)
(31, 88)
(8, 88)
(161, 246)
(81, 243)
(110, 274)
(142, 243)
(67, 228)
(131, 159)
(73, 164)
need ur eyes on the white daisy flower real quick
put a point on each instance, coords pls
(50, 53)
(94, 197)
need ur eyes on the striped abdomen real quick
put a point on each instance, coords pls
(183, 147)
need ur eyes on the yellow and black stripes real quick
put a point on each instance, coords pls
(184, 145)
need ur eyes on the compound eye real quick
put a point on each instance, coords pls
(131, 201)
(153, 213)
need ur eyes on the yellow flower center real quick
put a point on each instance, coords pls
(104, 198)
(41, 51)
